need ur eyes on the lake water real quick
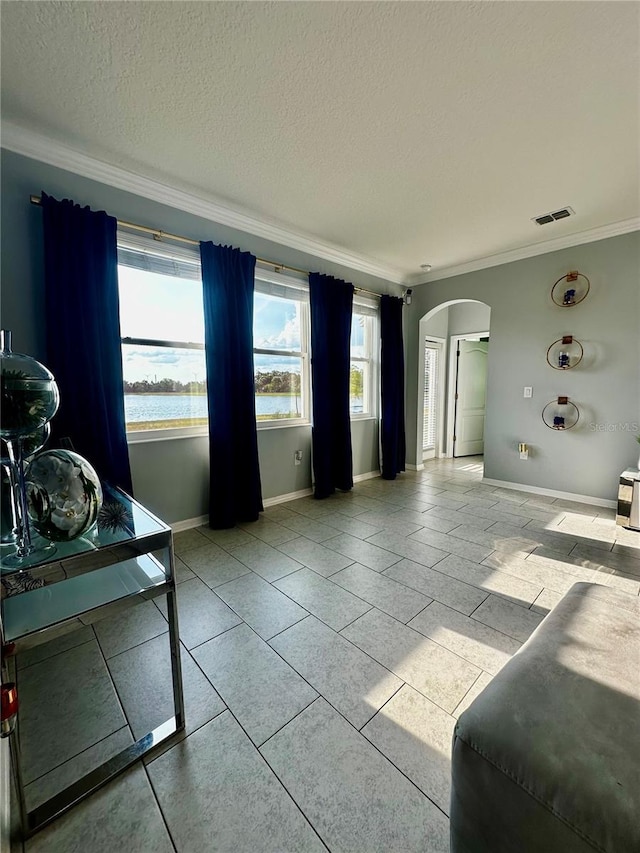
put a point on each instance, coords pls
(160, 407)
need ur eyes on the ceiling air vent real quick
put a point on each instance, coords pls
(553, 217)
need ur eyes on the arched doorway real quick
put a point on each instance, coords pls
(453, 346)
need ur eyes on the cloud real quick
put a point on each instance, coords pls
(164, 358)
(286, 338)
(163, 363)
(276, 323)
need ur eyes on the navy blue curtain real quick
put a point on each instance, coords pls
(331, 306)
(228, 282)
(392, 382)
(83, 335)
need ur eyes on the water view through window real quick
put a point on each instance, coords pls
(163, 359)
(165, 385)
(279, 336)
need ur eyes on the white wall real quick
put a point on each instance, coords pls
(467, 317)
(587, 460)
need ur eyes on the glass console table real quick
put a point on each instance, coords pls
(125, 560)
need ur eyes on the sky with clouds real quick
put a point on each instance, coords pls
(170, 308)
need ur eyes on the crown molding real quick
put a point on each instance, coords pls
(38, 147)
(602, 232)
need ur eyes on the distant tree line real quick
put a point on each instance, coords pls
(165, 386)
(271, 382)
(278, 382)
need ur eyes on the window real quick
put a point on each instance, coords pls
(162, 328)
(432, 353)
(364, 336)
(280, 354)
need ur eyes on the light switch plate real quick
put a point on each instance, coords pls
(528, 391)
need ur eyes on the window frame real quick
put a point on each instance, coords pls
(372, 359)
(267, 281)
(430, 451)
(297, 287)
(147, 245)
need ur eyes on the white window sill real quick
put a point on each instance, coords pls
(143, 436)
(284, 423)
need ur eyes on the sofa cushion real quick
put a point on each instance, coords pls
(561, 723)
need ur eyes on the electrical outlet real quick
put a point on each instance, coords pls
(297, 457)
(528, 391)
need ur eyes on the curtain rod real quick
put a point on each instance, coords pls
(159, 235)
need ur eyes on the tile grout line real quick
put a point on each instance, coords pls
(287, 791)
(480, 674)
(373, 716)
(446, 648)
(293, 624)
(402, 773)
(157, 802)
(141, 643)
(78, 754)
(23, 667)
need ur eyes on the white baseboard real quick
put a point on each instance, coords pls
(551, 493)
(419, 467)
(281, 499)
(188, 523)
(370, 475)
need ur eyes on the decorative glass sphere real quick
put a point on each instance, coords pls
(64, 495)
(31, 444)
(34, 442)
(29, 393)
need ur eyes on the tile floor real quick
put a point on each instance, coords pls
(327, 651)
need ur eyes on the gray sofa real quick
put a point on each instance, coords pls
(547, 757)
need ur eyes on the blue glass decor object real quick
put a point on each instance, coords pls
(570, 289)
(563, 360)
(558, 422)
(64, 495)
(30, 399)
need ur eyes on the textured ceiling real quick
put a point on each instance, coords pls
(405, 132)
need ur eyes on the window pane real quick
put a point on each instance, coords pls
(160, 307)
(359, 388)
(276, 323)
(164, 387)
(431, 358)
(360, 336)
(278, 387)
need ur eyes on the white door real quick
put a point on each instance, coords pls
(471, 398)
